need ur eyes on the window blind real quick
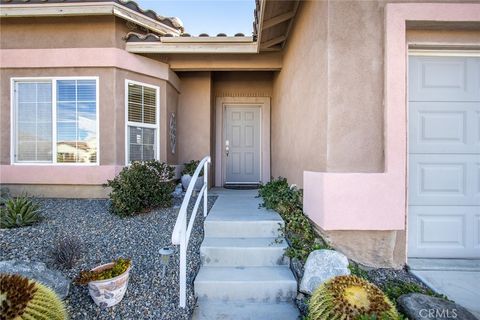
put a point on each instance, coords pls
(34, 122)
(141, 104)
(76, 121)
(142, 118)
(75, 107)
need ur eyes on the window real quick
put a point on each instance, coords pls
(56, 121)
(142, 122)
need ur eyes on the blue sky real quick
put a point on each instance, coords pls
(212, 17)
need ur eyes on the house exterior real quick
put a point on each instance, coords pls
(372, 107)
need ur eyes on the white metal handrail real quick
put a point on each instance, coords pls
(182, 230)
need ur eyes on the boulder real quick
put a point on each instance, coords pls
(321, 266)
(417, 306)
(38, 271)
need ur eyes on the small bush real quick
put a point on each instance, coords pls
(288, 202)
(396, 288)
(141, 187)
(67, 251)
(19, 212)
(356, 270)
(190, 168)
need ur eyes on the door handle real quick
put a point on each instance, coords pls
(227, 147)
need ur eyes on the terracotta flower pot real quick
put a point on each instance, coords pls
(108, 292)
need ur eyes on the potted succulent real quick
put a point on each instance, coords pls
(107, 283)
(187, 174)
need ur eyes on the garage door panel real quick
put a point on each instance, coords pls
(444, 157)
(444, 79)
(449, 179)
(476, 232)
(448, 231)
(444, 127)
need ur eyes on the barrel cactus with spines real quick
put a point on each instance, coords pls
(349, 298)
(24, 299)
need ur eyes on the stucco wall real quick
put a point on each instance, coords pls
(60, 32)
(244, 83)
(299, 103)
(81, 181)
(333, 75)
(194, 118)
(107, 105)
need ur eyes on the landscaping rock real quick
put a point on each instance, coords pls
(38, 271)
(297, 267)
(417, 306)
(322, 265)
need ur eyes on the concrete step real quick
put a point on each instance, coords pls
(245, 311)
(248, 284)
(242, 228)
(242, 252)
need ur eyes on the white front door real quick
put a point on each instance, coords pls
(242, 144)
(444, 157)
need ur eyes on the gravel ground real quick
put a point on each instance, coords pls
(106, 237)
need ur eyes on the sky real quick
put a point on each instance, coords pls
(212, 16)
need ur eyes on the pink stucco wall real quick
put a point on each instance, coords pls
(57, 174)
(377, 201)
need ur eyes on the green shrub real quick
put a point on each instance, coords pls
(23, 299)
(19, 212)
(395, 288)
(288, 202)
(190, 168)
(4, 195)
(141, 187)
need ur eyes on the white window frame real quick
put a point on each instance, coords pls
(13, 126)
(155, 126)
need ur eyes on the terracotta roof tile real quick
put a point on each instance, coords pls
(173, 22)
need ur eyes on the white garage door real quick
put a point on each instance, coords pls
(444, 157)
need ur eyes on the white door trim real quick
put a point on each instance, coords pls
(264, 103)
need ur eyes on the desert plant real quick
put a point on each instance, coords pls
(22, 299)
(4, 195)
(67, 251)
(396, 288)
(190, 168)
(350, 297)
(19, 212)
(120, 266)
(381, 317)
(141, 187)
(356, 270)
(287, 200)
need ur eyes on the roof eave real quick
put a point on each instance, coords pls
(193, 47)
(84, 9)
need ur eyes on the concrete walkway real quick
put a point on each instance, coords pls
(459, 280)
(244, 274)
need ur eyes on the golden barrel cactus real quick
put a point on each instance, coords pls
(22, 299)
(348, 298)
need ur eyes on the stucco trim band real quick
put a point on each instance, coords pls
(377, 201)
(52, 174)
(87, 57)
